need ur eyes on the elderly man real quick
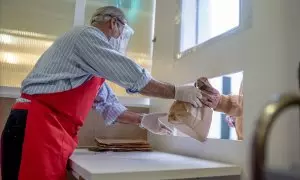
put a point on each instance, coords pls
(68, 79)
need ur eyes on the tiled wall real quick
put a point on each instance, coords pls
(93, 127)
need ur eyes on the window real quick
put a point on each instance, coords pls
(202, 20)
(140, 16)
(227, 84)
(27, 29)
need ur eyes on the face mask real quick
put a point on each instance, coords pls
(120, 44)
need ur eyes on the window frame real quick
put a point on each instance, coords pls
(79, 12)
(244, 23)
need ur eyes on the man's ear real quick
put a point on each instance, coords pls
(112, 23)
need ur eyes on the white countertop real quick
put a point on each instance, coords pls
(145, 165)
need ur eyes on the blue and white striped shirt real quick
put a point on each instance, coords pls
(78, 55)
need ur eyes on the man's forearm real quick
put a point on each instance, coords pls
(159, 89)
(230, 104)
(129, 117)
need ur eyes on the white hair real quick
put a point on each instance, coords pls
(103, 14)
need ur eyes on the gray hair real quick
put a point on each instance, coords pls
(103, 14)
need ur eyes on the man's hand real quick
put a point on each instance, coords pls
(211, 96)
(188, 93)
(152, 124)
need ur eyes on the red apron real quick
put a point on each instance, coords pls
(53, 121)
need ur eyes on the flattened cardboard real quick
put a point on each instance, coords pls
(121, 145)
(121, 141)
(98, 149)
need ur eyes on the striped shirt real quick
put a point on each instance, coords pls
(74, 58)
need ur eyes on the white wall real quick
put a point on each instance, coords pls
(268, 52)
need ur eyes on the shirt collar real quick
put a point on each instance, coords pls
(100, 32)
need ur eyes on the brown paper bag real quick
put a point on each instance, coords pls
(194, 122)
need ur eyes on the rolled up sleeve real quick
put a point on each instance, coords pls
(140, 83)
(108, 105)
(102, 60)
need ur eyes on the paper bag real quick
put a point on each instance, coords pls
(194, 122)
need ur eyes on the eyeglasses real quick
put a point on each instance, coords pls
(111, 16)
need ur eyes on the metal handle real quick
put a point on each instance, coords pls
(263, 129)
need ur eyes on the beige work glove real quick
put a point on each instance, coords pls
(152, 124)
(188, 93)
